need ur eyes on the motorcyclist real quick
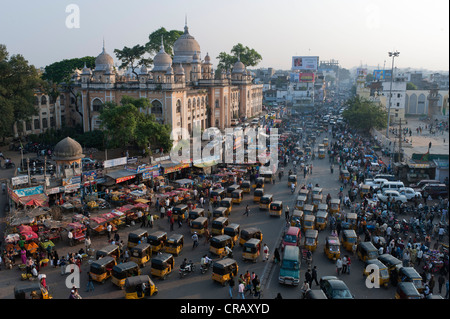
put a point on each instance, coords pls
(229, 251)
(205, 261)
(292, 188)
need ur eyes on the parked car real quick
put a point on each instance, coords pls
(409, 193)
(422, 183)
(434, 190)
(335, 288)
(383, 196)
(375, 183)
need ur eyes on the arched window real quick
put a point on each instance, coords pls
(189, 103)
(36, 100)
(97, 105)
(37, 124)
(43, 99)
(44, 123)
(178, 106)
(217, 103)
(157, 108)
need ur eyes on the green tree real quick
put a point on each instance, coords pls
(250, 57)
(61, 71)
(363, 115)
(411, 86)
(133, 58)
(169, 37)
(151, 134)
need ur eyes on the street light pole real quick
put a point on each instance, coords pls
(393, 55)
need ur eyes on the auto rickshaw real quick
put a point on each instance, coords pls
(317, 200)
(232, 188)
(180, 211)
(309, 222)
(276, 208)
(308, 150)
(306, 192)
(162, 265)
(218, 225)
(237, 196)
(109, 250)
(259, 182)
(251, 232)
(246, 186)
(320, 146)
(227, 203)
(407, 290)
(322, 152)
(391, 262)
(297, 218)
(251, 249)
(311, 236)
(321, 219)
(364, 191)
(257, 194)
(317, 191)
(301, 202)
(217, 195)
(344, 175)
(199, 225)
(31, 290)
(366, 250)
(332, 247)
(217, 244)
(265, 201)
(223, 269)
(139, 287)
(325, 141)
(268, 177)
(233, 231)
(174, 244)
(335, 206)
(308, 210)
(220, 212)
(410, 274)
(122, 271)
(136, 236)
(157, 239)
(101, 269)
(383, 273)
(141, 254)
(349, 238)
(195, 213)
(350, 221)
(292, 179)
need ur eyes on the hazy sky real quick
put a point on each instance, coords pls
(354, 32)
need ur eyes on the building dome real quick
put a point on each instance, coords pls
(162, 60)
(179, 70)
(103, 61)
(185, 47)
(207, 59)
(67, 150)
(238, 67)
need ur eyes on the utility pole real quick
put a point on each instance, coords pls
(400, 142)
(393, 55)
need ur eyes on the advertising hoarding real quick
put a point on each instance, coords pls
(306, 77)
(382, 75)
(305, 63)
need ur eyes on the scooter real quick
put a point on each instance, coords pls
(190, 267)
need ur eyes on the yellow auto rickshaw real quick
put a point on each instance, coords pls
(141, 254)
(174, 244)
(306, 192)
(317, 191)
(251, 232)
(101, 269)
(257, 194)
(218, 225)
(227, 203)
(311, 237)
(217, 195)
(109, 250)
(157, 240)
(392, 263)
(335, 206)
(322, 207)
(232, 230)
(297, 218)
(265, 201)
(122, 271)
(195, 213)
(321, 219)
(199, 225)
(276, 208)
(344, 175)
(364, 191)
(251, 249)
(322, 152)
(139, 287)
(349, 238)
(259, 182)
(407, 290)
(224, 269)
(350, 220)
(301, 202)
(317, 200)
(180, 211)
(220, 212)
(237, 196)
(268, 177)
(332, 247)
(308, 210)
(31, 290)
(292, 179)
(325, 141)
(383, 273)
(309, 222)
(246, 186)
(162, 265)
(137, 236)
(217, 245)
(320, 146)
(232, 188)
(410, 274)
(366, 250)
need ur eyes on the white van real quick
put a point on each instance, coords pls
(393, 186)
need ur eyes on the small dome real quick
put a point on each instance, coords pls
(169, 71)
(239, 67)
(207, 59)
(103, 61)
(67, 149)
(162, 60)
(180, 70)
(86, 70)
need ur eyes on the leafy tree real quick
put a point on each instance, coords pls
(169, 37)
(61, 71)
(133, 58)
(411, 86)
(250, 57)
(363, 115)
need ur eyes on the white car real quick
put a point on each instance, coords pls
(409, 193)
(392, 194)
(376, 183)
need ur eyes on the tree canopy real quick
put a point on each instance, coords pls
(169, 37)
(250, 57)
(61, 71)
(133, 58)
(363, 115)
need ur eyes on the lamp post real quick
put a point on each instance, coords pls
(393, 55)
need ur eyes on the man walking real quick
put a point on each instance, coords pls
(314, 275)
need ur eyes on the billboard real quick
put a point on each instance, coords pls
(382, 75)
(294, 77)
(305, 63)
(306, 77)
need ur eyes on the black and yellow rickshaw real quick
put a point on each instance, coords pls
(268, 176)
(232, 230)
(349, 238)
(351, 220)
(297, 218)
(199, 225)
(246, 186)
(383, 272)
(109, 250)
(101, 269)
(217, 195)
(332, 247)
(344, 175)
(364, 191)
(162, 265)
(232, 188)
(308, 210)
(292, 179)
(220, 212)
(321, 152)
(410, 274)
(218, 225)
(139, 287)
(251, 249)
(237, 196)
(391, 262)
(325, 141)
(180, 211)
(276, 208)
(321, 219)
(157, 239)
(366, 250)
(311, 237)
(301, 202)
(251, 232)
(122, 271)
(305, 192)
(335, 206)
(217, 244)
(227, 203)
(195, 213)
(137, 236)
(141, 254)
(265, 201)
(309, 222)
(223, 269)
(31, 290)
(257, 194)
(308, 150)
(174, 244)
(407, 290)
(259, 182)
(317, 200)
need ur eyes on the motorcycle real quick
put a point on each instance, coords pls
(204, 267)
(9, 165)
(188, 268)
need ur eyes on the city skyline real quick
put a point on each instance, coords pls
(353, 32)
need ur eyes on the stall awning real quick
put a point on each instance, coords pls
(173, 167)
(121, 175)
(34, 200)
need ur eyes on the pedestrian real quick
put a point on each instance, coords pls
(266, 252)
(62, 265)
(231, 284)
(308, 277)
(419, 256)
(195, 240)
(338, 266)
(90, 283)
(108, 231)
(286, 213)
(255, 283)
(314, 275)
(87, 243)
(171, 221)
(344, 264)
(446, 289)
(241, 290)
(247, 210)
(441, 282)
(431, 283)
(305, 288)
(70, 237)
(150, 220)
